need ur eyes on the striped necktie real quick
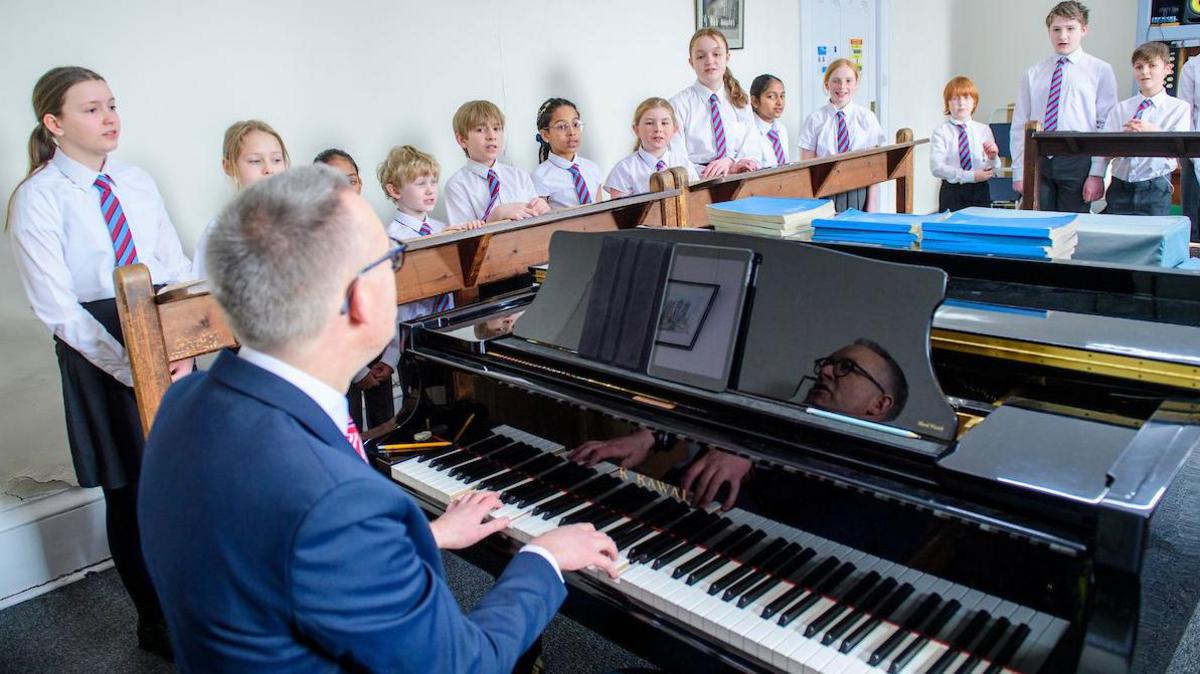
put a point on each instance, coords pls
(581, 188)
(425, 229)
(444, 301)
(773, 135)
(1146, 103)
(718, 129)
(964, 148)
(124, 251)
(843, 133)
(1050, 119)
(355, 440)
(660, 165)
(493, 192)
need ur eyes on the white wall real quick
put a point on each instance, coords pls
(367, 75)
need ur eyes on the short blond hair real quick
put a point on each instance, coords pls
(652, 103)
(403, 165)
(474, 113)
(232, 146)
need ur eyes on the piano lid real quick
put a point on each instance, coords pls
(842, 336)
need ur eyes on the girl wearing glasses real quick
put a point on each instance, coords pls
(563, 178)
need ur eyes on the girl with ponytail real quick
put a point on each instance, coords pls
(715, 121)
(77, 216)
(564, 179)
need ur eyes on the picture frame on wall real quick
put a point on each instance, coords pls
(727, 16)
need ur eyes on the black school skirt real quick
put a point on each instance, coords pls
(103, 427)
(957, 196)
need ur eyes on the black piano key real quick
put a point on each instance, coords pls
(985, 645)
(588, 490)
(810, 580)
(622, 500)
(625, 528)
(734, 553)
(825, 587)
(708, 555)
(759, 559)
(927, 631)
(662, 515)
(453, 459)
(867, 606)
(853, 596)
(889, 608)
(625, 539)
(790, 567)
(768, 568)
(674, 549)
(483, 445)
(556, 507)
(683, 528)
(926, 609)
(541, 492)
(498, 482)
(1008, 650)
(960, 641)
(470, 452)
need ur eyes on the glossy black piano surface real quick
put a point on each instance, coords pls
(1056, 515)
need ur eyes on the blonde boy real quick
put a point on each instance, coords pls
(1142, 185)
(485, 189)
(1069, 91)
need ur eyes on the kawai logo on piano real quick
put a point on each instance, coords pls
(650, 483)
(930, 425)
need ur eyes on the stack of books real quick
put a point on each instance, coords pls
(769, 216)
(891, 230)
(1048, 237)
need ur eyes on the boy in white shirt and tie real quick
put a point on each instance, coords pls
(1142, 185)
(485, 189)
(1070, 91)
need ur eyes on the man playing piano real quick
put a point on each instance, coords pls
(273, 545)
(859, 380)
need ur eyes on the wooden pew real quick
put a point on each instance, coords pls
(187, 322)
(1040, 144)
(817, 178)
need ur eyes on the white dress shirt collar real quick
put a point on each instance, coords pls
(481, 170)
(325, 396)
(409, 221)
(1156, 99)
(763, 125)
(704, 92)
(77, 173)
(562, 163)
(650, 159)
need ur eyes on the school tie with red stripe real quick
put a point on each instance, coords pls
(1050, 119)
(493, 192)
(964, 148)
(425, 229)
(718, 129)
(355, 440)
(660, 165)
(843, 133)
(773, 135)
(443, 302)
(124, 251)
(1146, 103)
(581, 188)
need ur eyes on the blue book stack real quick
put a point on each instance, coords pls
(769, 216)
(892, 230)
(1049, 237)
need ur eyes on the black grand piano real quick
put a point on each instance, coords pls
(960, 464)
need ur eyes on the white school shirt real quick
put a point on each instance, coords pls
(405, 227)
(64, 252)
(467, 190)
(943, 151)
(1088, 91)
(552, 179)
(766, 158)
(201, 253)
(695, 136)
(1187, 92)
(818, 133)
(632, 174)
(1168, 112)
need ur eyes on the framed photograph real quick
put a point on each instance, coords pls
(685, 307)
(727, 16)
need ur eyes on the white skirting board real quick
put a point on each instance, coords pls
(49, 542)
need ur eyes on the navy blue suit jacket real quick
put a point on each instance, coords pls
(274, 548)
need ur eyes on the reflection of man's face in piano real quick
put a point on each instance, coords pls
(495, 327)
(859, 390)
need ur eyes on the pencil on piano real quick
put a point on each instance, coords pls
(415, 445)
(464, 427)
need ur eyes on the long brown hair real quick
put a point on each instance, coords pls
(48, 95)
(733, 88)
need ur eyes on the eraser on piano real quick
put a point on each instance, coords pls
(422, 436)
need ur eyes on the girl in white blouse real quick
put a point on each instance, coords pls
(654, 125)
(76, 217)
(767, 98)
(716, 126)
(842, 126)
(564, 178)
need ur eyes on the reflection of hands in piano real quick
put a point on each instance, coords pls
(711, 470)
(627, 450)
(462, 524)
(580, 546)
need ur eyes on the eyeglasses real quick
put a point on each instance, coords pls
(564, 127)
(395, 255)
(842, 367)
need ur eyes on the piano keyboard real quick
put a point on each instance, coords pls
(785, 598)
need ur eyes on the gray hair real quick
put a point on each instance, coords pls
(894, 379)
(279, 254)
